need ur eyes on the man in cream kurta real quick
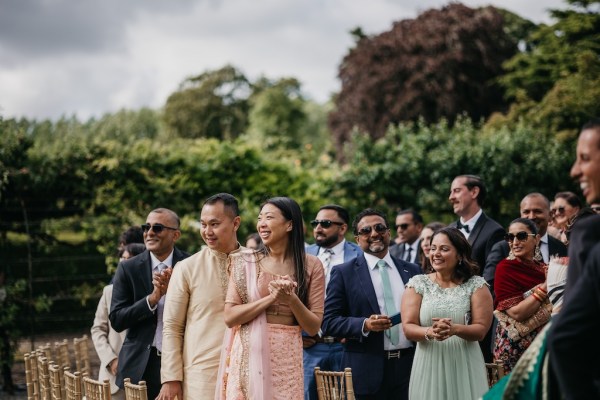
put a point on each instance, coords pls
(193, 322)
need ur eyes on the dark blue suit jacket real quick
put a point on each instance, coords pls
(350, 299)
(351, 250)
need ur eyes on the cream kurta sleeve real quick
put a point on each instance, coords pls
(193, 323)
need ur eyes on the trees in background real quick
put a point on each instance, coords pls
(439, 65)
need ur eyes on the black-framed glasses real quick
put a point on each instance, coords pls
(521, 236)
(402, 227)
(325, 223)
(366, 230)
(157, 228)
(558, 210)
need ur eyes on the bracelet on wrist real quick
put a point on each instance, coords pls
(427, 337)
(537, 297)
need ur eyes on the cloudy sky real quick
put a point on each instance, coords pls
(90, 57)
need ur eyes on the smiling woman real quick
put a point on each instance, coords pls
(521, 303)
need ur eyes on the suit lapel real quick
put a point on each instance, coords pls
(364, 278)
(403, 271)
(145, 265)
(477, 228)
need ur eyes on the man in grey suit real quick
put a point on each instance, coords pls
(139, 289)
(536, 207)
(329, 229)
(467, 195)
(409, 225)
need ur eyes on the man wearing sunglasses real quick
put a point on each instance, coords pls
(193, 319)
(409, 225)
(139, 289)
(536, 207)
(361, 297)
(329, 230)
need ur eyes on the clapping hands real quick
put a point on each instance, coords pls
(282, 290)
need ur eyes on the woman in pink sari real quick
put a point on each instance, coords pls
(273, 295)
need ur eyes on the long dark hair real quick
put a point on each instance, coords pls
(466, 267)
(295, 249)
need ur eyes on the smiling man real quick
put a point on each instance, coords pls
(329, 230)
(193, 321)
(138, 297)
(409, 225)
(361, 296)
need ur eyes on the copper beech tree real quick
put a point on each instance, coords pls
(439, 65)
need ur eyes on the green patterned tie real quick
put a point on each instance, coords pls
(388, 299)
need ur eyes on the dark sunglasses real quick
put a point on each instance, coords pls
(558, 210)
(521, 236)
(402, 226)
(325, 223)
(366, 230)
(157, 228)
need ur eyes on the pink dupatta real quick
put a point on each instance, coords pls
(256, 381)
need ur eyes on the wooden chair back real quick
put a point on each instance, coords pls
(46, 351)
(56, 382)
(96, 390)
(73, 385)
(61, 351)
(135, 392)
(43, 376)
(333, 385)
(31, 376)
(495, 372)
(82, 355)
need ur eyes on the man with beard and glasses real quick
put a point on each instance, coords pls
(361, 297)
(329, 228)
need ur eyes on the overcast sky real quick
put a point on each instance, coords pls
(90, 57)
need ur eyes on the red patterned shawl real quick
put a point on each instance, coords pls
(513, 278)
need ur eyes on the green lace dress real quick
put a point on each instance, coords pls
(453, 368)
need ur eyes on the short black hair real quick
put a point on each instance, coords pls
(133, 234)
(472, 181)
(229, 202)
(342, 212)
(364, 213)
(417, 218)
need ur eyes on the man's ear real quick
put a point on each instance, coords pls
(237, 221)
(475, 191)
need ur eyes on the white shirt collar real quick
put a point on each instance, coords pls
(168, 261)
(372, 260)
(471, 223)
(337, 249)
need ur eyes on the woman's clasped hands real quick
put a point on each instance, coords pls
(283, 289)
(442, 328)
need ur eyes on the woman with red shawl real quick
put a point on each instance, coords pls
(521, 303)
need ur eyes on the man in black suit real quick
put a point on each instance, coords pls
(573, 342)
(467, 195)
(536, 207)
(409, 225)
(356, 309)
(139, 287)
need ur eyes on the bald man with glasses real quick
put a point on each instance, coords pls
(139, 290)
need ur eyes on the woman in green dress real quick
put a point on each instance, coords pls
(447, 312)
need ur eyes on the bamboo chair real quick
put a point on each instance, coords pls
(73, 385)
(82, 355)
(61, 351)
(43, 376)
(495, 372)
(96, 390)
(56, 382)
(334, 385)
(31, 376)
(46, 351)
(135, 392)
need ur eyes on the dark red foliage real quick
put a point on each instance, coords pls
(439, 65)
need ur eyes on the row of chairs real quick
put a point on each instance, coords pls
(48, 375)
(338, 385)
